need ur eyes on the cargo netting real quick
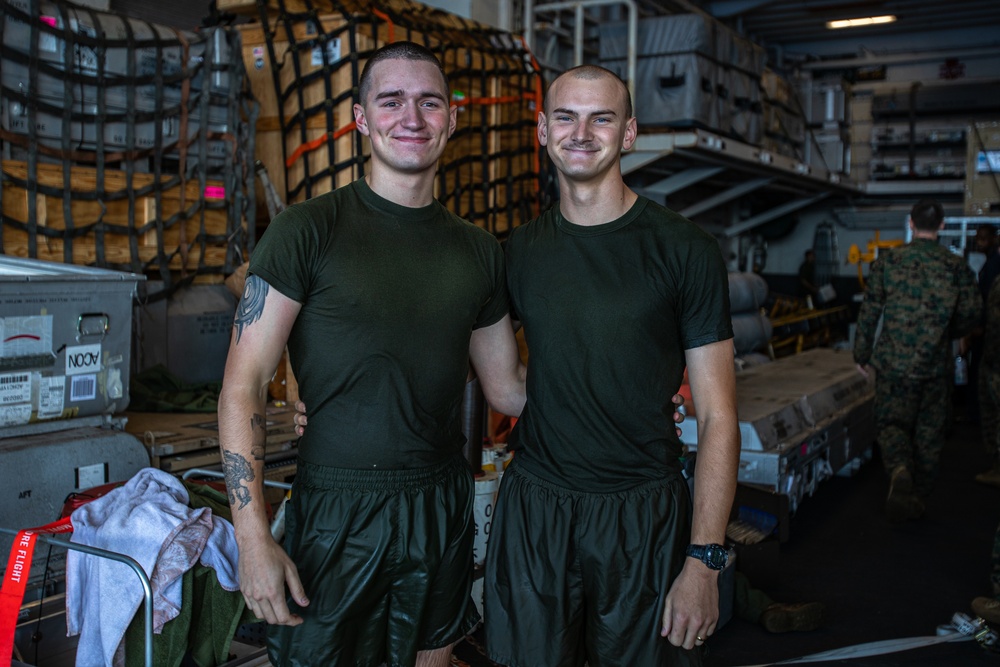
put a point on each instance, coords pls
(304, 60)
(125, 144)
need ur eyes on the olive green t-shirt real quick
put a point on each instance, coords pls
(390, 296)
(608, 312)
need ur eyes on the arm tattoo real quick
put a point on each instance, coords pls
(238, 473)
(251, 305)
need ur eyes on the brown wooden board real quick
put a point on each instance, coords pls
(148, 217)
(181, 441)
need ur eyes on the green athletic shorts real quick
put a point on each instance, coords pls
(386, 561)
(573, 577)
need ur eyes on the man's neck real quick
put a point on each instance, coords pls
(594, 204)
(410, 190)
(927, 236)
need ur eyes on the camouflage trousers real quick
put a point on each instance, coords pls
(989, 410)
(911, 420)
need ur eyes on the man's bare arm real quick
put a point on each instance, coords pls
(692, 606)
(264, 318)
(494, 355)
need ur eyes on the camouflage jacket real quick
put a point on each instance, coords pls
(991, 336)
(926, 296)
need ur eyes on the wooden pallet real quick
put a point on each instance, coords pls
(180, 442)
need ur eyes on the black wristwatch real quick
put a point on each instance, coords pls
(715, 556)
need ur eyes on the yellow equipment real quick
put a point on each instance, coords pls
(855, 256)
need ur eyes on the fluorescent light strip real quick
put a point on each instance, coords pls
(855, 23)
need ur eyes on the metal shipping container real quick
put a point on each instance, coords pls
(65, 340)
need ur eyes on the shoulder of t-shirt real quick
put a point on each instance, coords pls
(671, 222)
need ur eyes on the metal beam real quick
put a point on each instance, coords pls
(635, 160)
(869, 59)
(681, 180)
(725, 196)
(648, 148)
(776, 212)
(724, 9)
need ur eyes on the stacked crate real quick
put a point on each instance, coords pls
(693, 72)
(827, 110)
(784, 123)
(178, 443)
(982, 170)
(304, 61)
(125, 144)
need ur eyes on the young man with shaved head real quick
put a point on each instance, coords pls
(593, 555)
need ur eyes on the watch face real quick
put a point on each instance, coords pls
(716, 556)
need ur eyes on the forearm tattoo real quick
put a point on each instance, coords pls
(251, 305)
(239, 472)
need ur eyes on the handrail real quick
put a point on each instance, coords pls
(147, 589)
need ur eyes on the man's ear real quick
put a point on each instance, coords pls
(543, 131)
(360, 121)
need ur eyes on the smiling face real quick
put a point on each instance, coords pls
(406, 114)
(586, 124)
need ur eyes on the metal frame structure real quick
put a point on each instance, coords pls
(689, 157)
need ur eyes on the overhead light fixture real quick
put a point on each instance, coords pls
(856, 23)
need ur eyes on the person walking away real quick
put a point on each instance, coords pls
(926, 297)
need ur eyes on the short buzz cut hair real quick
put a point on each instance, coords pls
(397, 51)
(593, 72)
(927, 215)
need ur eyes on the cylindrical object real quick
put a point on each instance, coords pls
(486, 495)
(747, 291)
(751, 331)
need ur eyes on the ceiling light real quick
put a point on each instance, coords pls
(855, 23)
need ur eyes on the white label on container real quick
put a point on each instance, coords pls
(15, 388)
(83, 359)
(83, 388)
(332, 53)
(26, 336)
(988, 161)
(51, 396)
(15, 415)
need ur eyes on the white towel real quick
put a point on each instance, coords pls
(148, 519)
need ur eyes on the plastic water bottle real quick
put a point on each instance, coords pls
(961, 371)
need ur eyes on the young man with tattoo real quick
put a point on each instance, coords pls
(383, 297)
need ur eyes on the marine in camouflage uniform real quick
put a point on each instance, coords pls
(926, 296)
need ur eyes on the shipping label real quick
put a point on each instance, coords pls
(26, 336)
(51, 396)
(83, 359)
(15, 415)
(83, 388)
(15, 388)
